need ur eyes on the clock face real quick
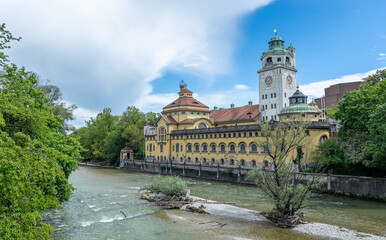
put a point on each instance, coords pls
(268, 80)
(289, 80)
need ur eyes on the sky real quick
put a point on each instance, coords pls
(120, 53)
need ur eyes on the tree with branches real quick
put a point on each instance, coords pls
(282, 184)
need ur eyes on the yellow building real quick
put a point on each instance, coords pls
(188, 131)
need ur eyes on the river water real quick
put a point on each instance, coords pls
(94, 211)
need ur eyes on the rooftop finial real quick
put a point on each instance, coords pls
(275, 31)
(297, 86)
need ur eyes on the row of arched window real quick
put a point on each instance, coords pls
(222, 147)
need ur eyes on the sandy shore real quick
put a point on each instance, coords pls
(313, 229)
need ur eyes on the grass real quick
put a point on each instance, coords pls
(167, 185)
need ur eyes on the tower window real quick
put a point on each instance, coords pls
(285, 94)
(274, 94)
(271, 95)
(269, 59)
(279, 59)
(263, 96)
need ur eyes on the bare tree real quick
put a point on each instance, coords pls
(282, 184)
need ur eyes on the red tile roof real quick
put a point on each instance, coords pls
(313, 103)
(187, 121)
(185, 91)
(186, 101)
(238, 114)
(170, 119)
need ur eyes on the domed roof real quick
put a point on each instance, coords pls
(299, 108)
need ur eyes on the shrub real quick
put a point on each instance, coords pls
(167, 185)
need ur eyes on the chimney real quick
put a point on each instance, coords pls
(232, 105)
(249, 103)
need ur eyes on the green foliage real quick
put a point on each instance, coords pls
(106, 135)
(113, 145)
(5, 38)
(169, 185)
(375, 147)
(362, 135)
(35, 158)
(59, 108)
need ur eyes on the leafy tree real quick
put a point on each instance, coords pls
(100, 127)
(360, 113)
(113, 144)
(5, 38)
(61, 109)
(282, 140)
(35, 158)
(375, 148)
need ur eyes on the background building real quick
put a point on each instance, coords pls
(334, 93)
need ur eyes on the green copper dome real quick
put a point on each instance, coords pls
(276, 45)
(299, 108)
(298, 104)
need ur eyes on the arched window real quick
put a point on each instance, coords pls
(232, 162)
(242, 147)
(265, 149)
(173, 159)
(266, 164)
(232, 147)
(189, 159)
(213, 160)
(323, 139)
(213, 147)
(196, 147)
(196, 160)
(204, 160)
(177, 147)
(253, 163)
(253, 147)
(269, 60)
(189, 147)
(181, 159)
(222, 147)
(204, 147)
(161, 134)
(242, 162)
(201, 125)
(222, 161)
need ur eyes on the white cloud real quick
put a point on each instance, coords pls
(316, 89)
(382, 54)
(105, 53)
(241, 87)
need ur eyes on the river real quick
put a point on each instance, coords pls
(94, 211)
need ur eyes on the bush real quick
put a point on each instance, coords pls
(167, 185)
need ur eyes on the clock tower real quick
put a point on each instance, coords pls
(277, 78)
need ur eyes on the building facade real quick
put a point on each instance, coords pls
(334, 93)
(188, 131)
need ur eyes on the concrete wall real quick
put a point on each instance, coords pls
(365, 187)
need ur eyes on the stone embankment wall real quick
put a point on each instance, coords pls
(365, 187)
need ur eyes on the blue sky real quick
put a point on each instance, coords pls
(122, 53)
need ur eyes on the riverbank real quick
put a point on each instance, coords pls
(312, 229)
